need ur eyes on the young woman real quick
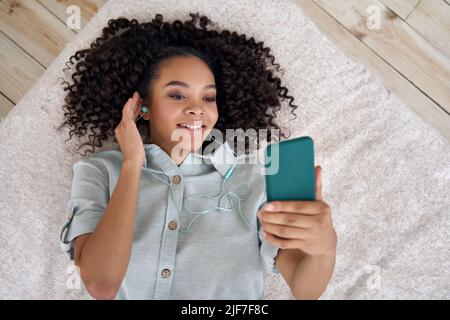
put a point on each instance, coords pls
(147, 221)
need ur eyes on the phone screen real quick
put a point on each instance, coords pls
(289, 170)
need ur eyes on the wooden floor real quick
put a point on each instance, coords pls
(32, 33)
(405, 42)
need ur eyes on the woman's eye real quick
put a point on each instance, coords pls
(175, 95)
(209, 99)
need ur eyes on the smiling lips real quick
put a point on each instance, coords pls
(197, 125)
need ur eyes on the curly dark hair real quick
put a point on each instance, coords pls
(127, 56)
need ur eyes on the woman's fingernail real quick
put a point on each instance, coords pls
(270, 207)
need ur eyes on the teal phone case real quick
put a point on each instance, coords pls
(295, 177)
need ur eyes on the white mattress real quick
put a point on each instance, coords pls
(386, 172)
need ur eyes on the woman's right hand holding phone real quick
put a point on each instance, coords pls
(128, 135)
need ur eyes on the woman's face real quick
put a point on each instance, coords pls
(183, 95)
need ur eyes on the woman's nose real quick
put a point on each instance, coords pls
(195, 110)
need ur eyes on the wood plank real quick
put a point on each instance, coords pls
(431, 19)
(392, 79)
(399, 45)
(402, 8)
(5, 106)
(19, 71)
(88, 8)
(34, 29)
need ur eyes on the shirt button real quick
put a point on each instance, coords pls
(172, 225)
(176, 179)
(165, 273)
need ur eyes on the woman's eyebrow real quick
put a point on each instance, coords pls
(184, 84)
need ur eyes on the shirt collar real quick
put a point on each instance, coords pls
(221, 156)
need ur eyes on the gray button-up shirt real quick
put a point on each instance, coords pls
(219, 254)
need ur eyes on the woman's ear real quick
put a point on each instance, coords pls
(145, 111)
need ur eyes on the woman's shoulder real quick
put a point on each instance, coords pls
(105, 160)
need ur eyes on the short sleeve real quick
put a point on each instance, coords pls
(267, 250)
(89, 198)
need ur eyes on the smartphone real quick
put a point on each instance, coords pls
(289, 170)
